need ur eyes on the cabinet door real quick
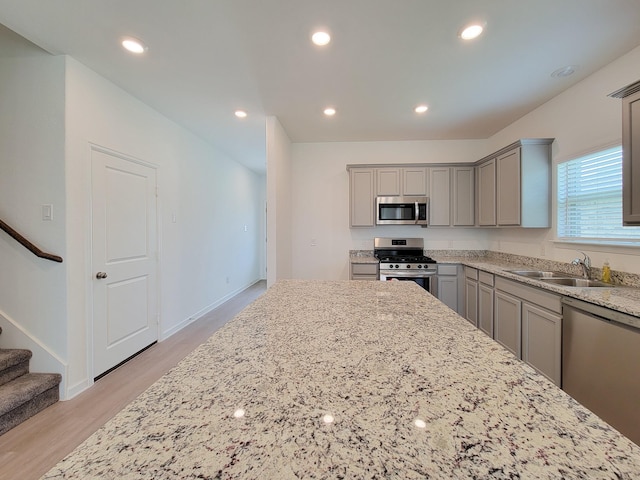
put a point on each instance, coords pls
(463, 196)
(448, 291)
(542, 341)
(631, 159)
(487, 193)
(361, 196)
(439, 199)
(508, 322)
(508, 188)
(485, 309)
(414, 181)
(471, 301)
(388, 182)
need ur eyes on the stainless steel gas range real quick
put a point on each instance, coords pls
(404, 259)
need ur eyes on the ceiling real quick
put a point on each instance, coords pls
(207, 58)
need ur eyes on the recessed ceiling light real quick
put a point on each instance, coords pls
(321, 38)
(564, 71)
(421, 109)
(241, 114)
(329, 111)
(134, 45)
(472, 31)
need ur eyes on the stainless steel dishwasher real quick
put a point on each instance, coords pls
(601, 363)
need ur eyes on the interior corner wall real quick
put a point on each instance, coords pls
(33, 290)
(279, 184)
(583, 118)
(210, 210)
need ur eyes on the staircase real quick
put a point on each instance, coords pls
(23, 394)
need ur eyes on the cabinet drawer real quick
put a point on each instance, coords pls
(447, 269)
(533, 295)
(486, 278)
(364, 269)
(471, 273)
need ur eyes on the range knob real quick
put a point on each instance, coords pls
(408, 266)
(397, 266)
(419, 266)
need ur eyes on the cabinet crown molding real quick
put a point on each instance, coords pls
(518, 143)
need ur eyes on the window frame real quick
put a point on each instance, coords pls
(630, 242)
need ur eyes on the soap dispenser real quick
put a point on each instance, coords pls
(606, 272)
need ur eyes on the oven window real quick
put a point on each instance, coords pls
(397, 211)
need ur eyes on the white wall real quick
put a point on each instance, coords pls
(582, 118)
(279, 184)
(206, 254)
(32, 290)
(320, 188)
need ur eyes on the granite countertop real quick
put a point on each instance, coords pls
(621, 298)
(352, 380)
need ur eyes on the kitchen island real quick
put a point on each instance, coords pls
(343, 379)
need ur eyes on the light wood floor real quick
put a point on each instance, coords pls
(31, 449)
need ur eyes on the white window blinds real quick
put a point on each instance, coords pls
(590, 198)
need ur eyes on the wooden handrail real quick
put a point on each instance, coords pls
(28, 245)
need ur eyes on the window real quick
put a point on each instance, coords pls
(590, 199)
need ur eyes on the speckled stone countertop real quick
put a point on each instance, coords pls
(624, 297)
(352, 380)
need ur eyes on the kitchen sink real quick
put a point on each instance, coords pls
(575, 282)
(538, 274)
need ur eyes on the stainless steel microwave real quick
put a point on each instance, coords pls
(402, 210)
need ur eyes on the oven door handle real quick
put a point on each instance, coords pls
(412, 274)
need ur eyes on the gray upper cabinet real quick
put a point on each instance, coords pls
(415, 181)
(361, 197)
(521, 179)
(630, 153)
(508, 188)
(486, 173)
(463, 196)
(395, 181)
(451, 196)
(440, 196)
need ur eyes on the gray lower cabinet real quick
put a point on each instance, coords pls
(471, 295)
(508, 322)
(363, 271)
(447, 290)
(542, 341)
(485, 302)
(528, 322)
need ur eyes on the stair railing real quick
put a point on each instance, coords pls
(28, 245)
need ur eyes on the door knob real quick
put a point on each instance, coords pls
(101, 275)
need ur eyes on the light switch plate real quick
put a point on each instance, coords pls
(47, 212)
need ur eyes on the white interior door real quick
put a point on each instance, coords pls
(125, 318)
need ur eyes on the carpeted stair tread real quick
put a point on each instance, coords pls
(22, 389)
(13, 364)
(11, 357)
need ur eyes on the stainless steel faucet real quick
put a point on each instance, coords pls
(585, 263)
